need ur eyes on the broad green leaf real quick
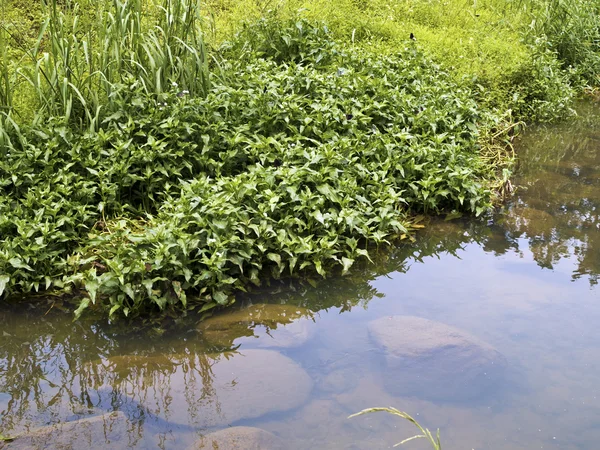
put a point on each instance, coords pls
(82, 306)
(91, 285)
(4, 279)
(275, 258)
(220, 297)
(17, 263)
(347, 263)
(113, 310)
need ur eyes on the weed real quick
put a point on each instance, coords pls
(78, 71)
(425, 433)
(570, 29)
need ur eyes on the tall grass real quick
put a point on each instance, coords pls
(5, 81)
(79, 72)
(5, 93)
(6, 84)
(571, 29)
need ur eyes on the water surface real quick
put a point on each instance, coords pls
(524, 280)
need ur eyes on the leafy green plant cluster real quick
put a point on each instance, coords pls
(288, 165)
(539, 89)
(302, 42)
(529, 57)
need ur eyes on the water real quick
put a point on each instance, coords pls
(524, 281)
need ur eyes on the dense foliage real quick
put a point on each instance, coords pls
(526, 56)
(137, 186)
(290, 162)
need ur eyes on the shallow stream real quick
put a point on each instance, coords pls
(514, 363)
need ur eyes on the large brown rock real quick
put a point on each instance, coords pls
(261, 325)
(205, 391)
(104, 431)
(431, 360)
(239, 438)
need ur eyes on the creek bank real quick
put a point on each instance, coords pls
(431, 360)
(267, 174)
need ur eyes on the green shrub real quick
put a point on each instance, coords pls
(299, 42)
(539, 90)
(288, 165)
(507, 51)
(144, 186)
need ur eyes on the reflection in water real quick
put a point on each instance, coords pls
(556, 209)
(296, 358)
(278, 325)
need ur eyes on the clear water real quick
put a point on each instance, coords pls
(523, 280)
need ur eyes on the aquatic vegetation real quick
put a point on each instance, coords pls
(425, 433)
(289, 163)
(139, 186)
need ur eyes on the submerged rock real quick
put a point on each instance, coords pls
(239, 438)
(431, 360)
(204, 391)
(263, 325)
(107, 430)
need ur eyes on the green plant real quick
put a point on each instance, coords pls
(139, 186)
(5, 81)
(78, 71)
(297, 40)
(569, 28)
(286, 166)
(425, 433)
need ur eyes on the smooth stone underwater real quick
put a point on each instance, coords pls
(109, 429)
(431, 360)
(204, 391)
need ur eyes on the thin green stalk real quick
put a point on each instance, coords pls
(425, 433)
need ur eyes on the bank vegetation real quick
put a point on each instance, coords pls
(166, 155)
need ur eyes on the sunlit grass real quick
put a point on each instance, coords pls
(80, 61)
